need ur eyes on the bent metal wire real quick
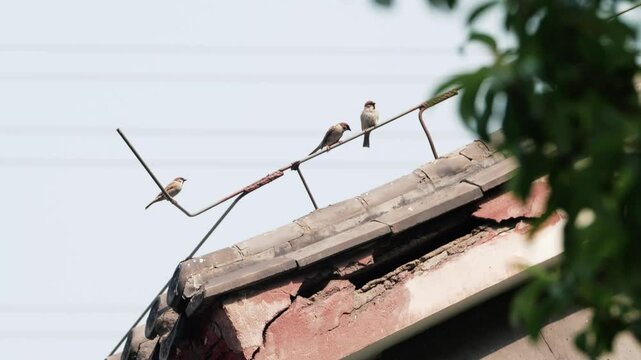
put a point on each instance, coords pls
(295, 166)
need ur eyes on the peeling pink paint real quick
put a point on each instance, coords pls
(248, 314)
(339, 319)
(329, 327)
(507, 206)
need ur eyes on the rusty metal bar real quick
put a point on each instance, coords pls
(266, 180)
(191, 255)
(427, 133)
(296, 167)
(424, 105)
(278, 173)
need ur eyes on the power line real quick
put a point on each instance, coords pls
(79, 130)
(337, 164)
(625, 11)
(57, 334)
(202, 49)
(287, 79)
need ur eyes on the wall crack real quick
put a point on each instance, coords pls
(268, 324)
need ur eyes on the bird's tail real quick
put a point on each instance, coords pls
(153, 202)
(315, 150)
(366, 140)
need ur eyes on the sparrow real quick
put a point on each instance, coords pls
(369, 118)
(332, 136)
(172, 189)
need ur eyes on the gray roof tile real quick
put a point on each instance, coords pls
(321, 219)
(431, 206)
(448, 170)
(477, 150)
(270, 239)
(137, 346)
(339, 243)
(496, 175)
(158, 306)
(248, 275)
(187, 268)
(429, 191)
(413, 181)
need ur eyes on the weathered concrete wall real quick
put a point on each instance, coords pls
(340, 319)
(484, 332)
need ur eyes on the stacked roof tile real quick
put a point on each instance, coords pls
(438, 187)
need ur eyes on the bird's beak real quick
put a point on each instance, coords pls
(184, 179)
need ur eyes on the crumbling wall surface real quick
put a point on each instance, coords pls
(200, 338)
(340, 318)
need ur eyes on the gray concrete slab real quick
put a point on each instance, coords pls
(339, 243)
(398, 187)
(270, 239)
(495, 175)
(246, 276)
(432, 206)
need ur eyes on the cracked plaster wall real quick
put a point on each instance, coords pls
(338, 319)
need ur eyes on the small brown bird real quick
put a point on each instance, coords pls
(369, 118)
(172, 189)
(332, 136)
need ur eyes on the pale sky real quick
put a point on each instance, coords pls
(218, 92)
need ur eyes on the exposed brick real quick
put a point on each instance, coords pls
(508, 206)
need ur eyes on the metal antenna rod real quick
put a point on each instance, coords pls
(427, 132)
(273, 176)
(213, 228)
(302, 178)
(266, 180)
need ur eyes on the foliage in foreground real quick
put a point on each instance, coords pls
(565, 99)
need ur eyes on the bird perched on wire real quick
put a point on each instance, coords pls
(332, 136)
(172, 189)
(369, 118)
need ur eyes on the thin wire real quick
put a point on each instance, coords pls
(255, 185)
(188, 49)
(88, 163)
(624, 11)
(213, 228)
(279, 172)
(207, 77)
(80, 130)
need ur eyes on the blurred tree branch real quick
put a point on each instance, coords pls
(565, 98)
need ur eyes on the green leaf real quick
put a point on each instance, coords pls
(480, 10)
(383, 2)
(485, 39)
(447, 4)
(449, 84)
